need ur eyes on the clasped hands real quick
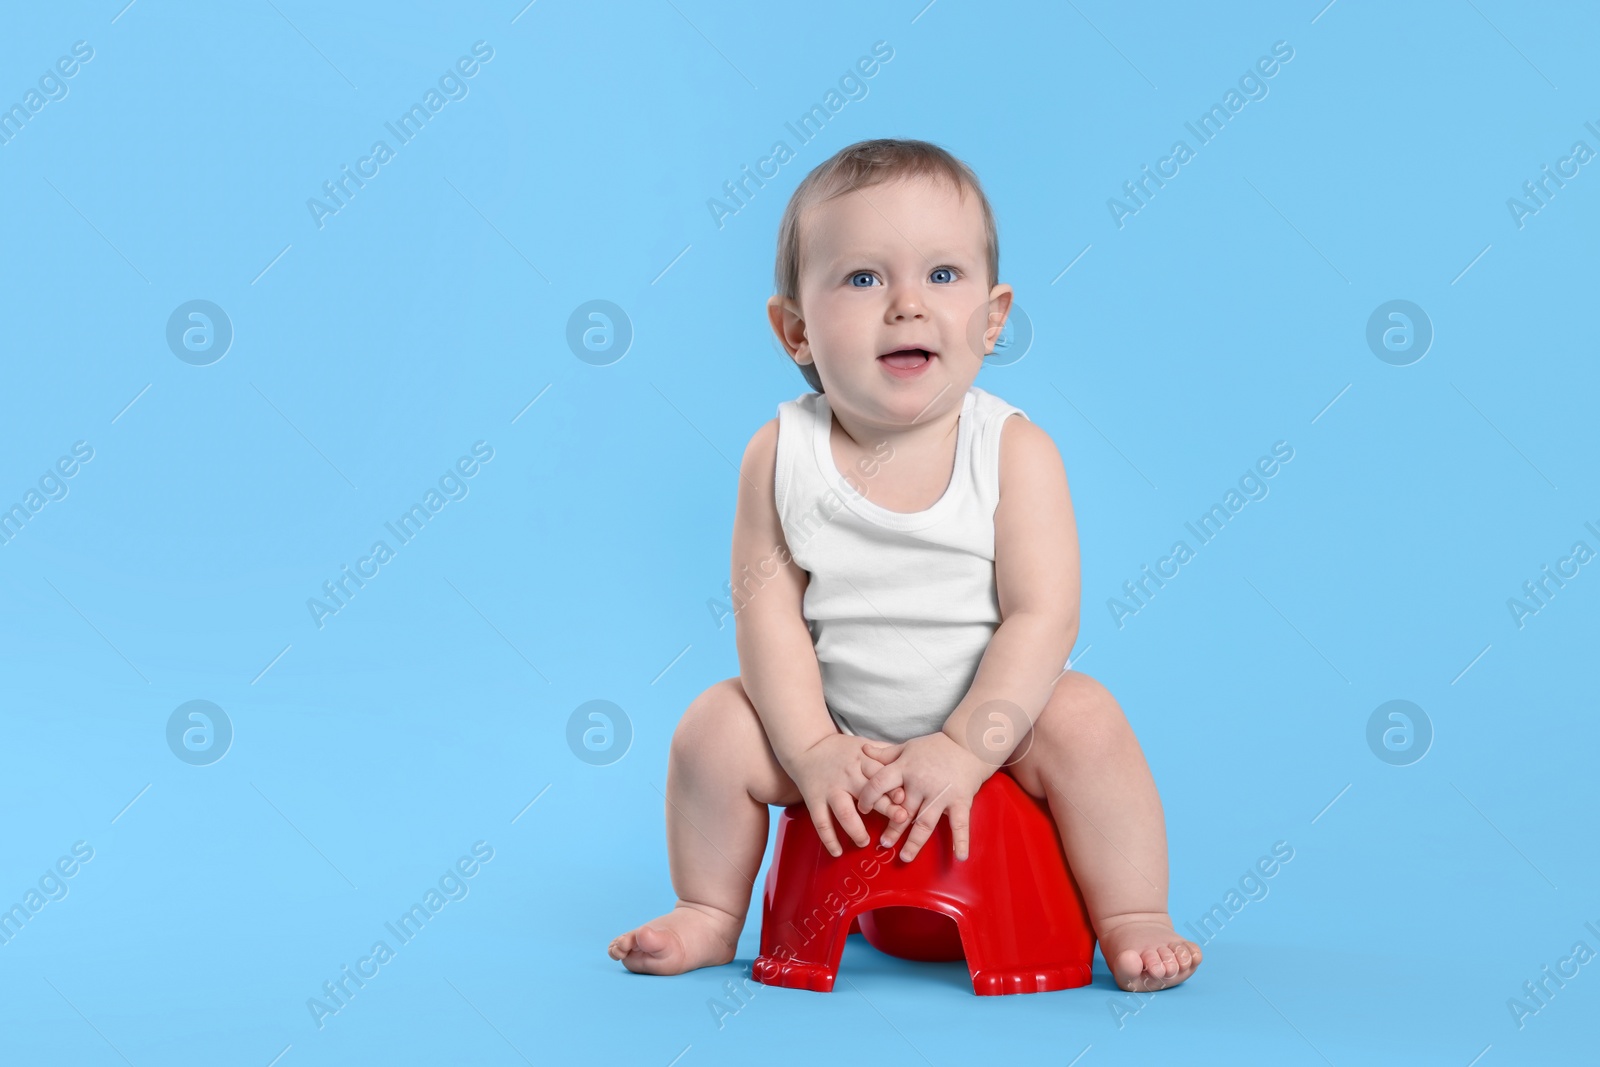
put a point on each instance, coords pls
(912, 783)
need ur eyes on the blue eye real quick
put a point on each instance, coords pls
(949, 274)
(867, 274)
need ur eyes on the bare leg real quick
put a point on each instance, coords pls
(1085, 760)
(721, 776)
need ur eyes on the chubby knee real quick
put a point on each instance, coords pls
(1082, 712)
(1082, 690)
(720, 743)
(714, 725)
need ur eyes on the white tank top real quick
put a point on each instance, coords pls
(900, 605)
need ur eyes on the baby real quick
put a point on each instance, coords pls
(902, 635)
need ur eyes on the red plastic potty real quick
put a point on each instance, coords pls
(1012, 909)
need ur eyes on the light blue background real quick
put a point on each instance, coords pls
(425, 316)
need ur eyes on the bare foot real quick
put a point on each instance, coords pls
(688, 936)
(1145, 953)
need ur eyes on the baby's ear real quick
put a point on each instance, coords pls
(999, 307)
(789, 327)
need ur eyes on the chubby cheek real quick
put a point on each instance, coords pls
(844, 332)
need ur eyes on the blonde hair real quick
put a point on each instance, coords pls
(859, 166)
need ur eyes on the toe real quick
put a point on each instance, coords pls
(649, 940)
(1127, 968)
(1169, 961)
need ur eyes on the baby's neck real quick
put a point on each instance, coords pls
(933, 426)
(905, 468)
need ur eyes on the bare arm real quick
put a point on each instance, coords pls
(777, 661)
(1036, 579)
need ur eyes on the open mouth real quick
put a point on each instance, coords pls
(908, 358)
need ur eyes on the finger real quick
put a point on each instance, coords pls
(898, 795)
(843, 805)
(824, 824)
(887, 807)
(897, 815)
(959, 824)
(877, 786)
(883, 753)
(921, 829)
(898, 825)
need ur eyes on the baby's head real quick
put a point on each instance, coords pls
(889, 244)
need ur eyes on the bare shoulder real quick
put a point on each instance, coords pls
(759, 542)
(1029, 460)
(761, 453)
(1035, 533)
